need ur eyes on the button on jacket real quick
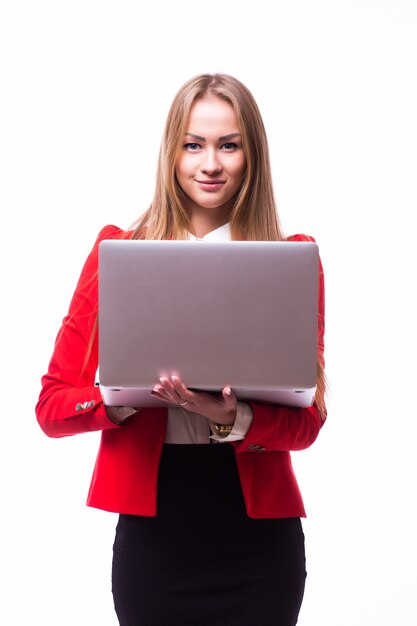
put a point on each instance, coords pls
(126, 470)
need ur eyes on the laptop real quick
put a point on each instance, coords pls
(238, 313)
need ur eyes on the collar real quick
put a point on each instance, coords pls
(222, 233)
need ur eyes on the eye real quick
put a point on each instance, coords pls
(229, 147)
(192, 147)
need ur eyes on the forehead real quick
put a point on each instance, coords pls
(212, 116)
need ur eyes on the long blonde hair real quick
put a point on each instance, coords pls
(253, 215)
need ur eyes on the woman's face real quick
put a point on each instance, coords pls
(211, 165)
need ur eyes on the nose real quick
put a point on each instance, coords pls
(211, 163)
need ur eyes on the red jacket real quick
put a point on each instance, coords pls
(126, 469)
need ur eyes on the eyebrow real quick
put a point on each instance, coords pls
(224, 138)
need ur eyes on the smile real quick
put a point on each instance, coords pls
(210, 185)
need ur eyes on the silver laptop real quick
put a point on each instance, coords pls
(243, 314)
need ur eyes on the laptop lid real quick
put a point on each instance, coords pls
(243, 314)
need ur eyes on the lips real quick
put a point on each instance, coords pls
(210, 185)
(217, 181)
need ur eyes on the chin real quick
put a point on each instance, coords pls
(206, 203)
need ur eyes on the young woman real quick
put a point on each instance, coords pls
(207, 534)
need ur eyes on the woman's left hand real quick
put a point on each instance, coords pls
(219, 408)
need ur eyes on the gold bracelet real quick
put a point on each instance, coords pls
(222, 430)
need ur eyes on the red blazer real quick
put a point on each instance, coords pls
(126, 470)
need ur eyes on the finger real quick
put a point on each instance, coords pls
(179, 386)
(229, 397)
(161, 396)
(175, 390)
(167, 386)
(164, 391)
(160, 390)
(183, 392)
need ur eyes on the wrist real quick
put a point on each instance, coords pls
(241, 425)
(227, 418)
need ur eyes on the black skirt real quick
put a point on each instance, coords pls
(202, 561)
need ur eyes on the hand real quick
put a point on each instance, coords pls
(219, 408)
(119, 414)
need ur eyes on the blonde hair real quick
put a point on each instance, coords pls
(253, 215)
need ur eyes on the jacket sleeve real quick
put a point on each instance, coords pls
(69, 401)
(284, 428)
(280, 428)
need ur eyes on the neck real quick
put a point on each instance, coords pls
(206, 220)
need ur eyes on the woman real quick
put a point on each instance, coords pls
(207, 534)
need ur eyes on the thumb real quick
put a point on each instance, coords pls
(228, 396)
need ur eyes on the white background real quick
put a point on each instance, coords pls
(85, 88)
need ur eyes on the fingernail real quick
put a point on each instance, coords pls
(228, 391)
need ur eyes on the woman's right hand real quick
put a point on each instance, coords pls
(119, 414)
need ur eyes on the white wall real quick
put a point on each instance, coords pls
(86, 86)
